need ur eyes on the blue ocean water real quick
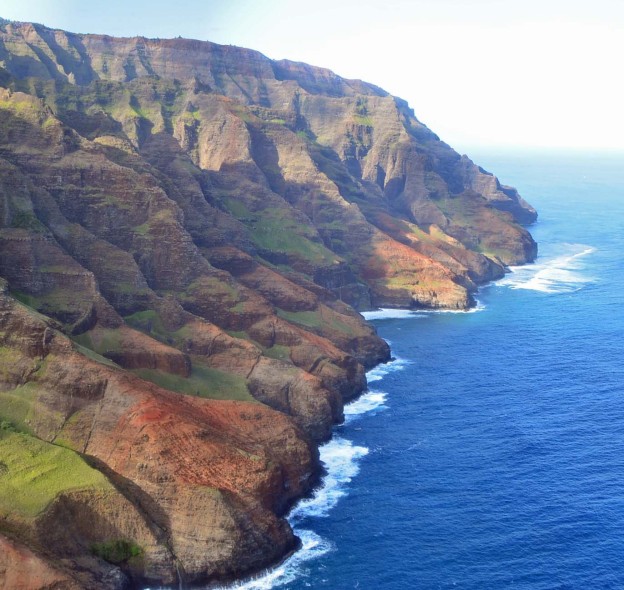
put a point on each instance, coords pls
(490, 454)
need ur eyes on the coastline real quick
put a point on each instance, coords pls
(231, 272)
(339, 464)
(312, 543)
(260, 579)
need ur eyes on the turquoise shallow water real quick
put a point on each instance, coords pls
(491, 453)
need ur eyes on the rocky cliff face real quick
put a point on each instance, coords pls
(186, 231)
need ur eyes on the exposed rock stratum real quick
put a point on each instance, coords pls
(187, 231)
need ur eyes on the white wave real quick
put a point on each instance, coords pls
(380, 371)
(478, 307)
(312, 547)
(389, 314)
(341, 459)
(561, 273)
(401, 314)
(368, 402)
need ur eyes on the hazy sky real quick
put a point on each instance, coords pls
(544, 73)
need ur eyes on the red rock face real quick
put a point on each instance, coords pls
(21, 569)
(189, 229)
(198, 482)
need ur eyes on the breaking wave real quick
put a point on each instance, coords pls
(478, 307)
(378, 373)
(368, 403)
(401, 314)
(389, 314)
(341, 459)
(561, 273)
(312, 547)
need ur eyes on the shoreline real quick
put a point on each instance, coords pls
(330, 482)
(254, 581)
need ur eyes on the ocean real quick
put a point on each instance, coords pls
(490, 453)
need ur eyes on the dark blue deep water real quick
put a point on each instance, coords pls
(491, 453)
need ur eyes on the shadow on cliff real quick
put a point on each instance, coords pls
(155, 517)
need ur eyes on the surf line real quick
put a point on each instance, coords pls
(340, 458)
(554, 274)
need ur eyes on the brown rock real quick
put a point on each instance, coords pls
(211, 219)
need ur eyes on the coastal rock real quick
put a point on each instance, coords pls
(186, 233)
(22, 569)
(166, 458)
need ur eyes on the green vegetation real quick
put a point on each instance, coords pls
(36, 472)
(279, 232)
(117, 551)
(159, 219)
(363, 120)
(238, 334)
(27, 220)
(242, 335)
(16, 407)
(8, 358)
(331, 166)
(278, 351)
(149, 322)
(495, 254)
(28, 300)
(237, 208)
(213, 291)
(142, 229)
(62, 303)
(361, 116)
(323, 319)
(7, 425)
(243, 113)
(309, 319)
(23, 107)
(305, 134)
(94, 356)
(105, 340)
(203, 382)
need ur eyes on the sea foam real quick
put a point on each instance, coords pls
(368, 403)
(560, 273)
(389, 314)
(341, 459)
(402, 314)
(379, 372)
(312, 547)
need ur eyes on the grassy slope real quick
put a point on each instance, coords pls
(33, 473)
(203, 382)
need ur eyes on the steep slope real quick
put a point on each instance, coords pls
(189, 229)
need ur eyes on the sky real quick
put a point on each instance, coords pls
(503, 74)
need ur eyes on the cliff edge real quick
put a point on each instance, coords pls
(187, 231)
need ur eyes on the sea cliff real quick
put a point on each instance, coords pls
(187, 233)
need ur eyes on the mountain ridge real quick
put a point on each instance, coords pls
(186, 232)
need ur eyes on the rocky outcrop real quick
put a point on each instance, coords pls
(22, 569)
(186, 233)
(165, 459)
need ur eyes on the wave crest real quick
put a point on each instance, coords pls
(341, 459)
(561, 273)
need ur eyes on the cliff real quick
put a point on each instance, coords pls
(186, 233)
